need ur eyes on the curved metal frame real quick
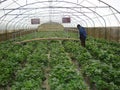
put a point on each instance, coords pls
(66, 7)
(59, 10)
(56, 1)
(2, 1)
(87, 16)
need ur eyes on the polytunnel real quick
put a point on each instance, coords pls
(18, 14)
(59, 45)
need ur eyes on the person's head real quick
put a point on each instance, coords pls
(78, 26)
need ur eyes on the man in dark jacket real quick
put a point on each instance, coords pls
(83, 34)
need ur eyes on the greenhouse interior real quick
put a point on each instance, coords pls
(59, 45)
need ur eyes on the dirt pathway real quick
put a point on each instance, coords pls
(79, 69)
(46, 82)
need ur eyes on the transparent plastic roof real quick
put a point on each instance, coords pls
(17, 14)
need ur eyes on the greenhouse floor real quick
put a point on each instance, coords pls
(59, 64)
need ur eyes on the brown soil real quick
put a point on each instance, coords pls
(78, 68)
(45, 85)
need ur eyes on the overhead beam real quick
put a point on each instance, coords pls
(52, 7)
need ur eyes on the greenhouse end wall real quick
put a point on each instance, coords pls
(8, 35)
(108, 33)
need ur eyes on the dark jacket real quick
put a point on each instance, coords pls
(82, 32)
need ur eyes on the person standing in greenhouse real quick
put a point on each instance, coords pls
(82, 34)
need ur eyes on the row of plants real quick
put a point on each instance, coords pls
(104, 54)
(102, 74)
(111, 47)
(31, 76)
(110, 43)
(23, 66)
(11, 61)
(45, 34)
(63, 73)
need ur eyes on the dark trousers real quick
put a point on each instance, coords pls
(82, 39)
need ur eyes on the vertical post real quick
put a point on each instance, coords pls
(26, 2)
(118, 34)
(50, 10)
(77, 1)
(6, 34)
